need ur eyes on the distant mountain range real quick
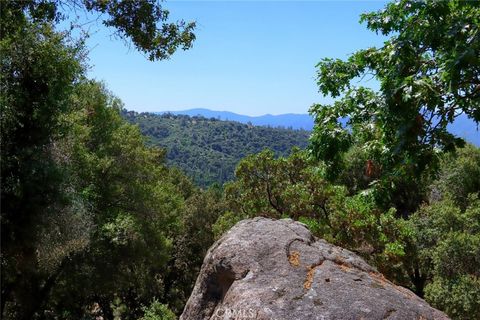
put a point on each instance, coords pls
(462, 127)
(288, 120)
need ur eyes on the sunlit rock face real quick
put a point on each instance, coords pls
(275, 269)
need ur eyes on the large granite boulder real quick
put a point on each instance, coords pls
(275, 269)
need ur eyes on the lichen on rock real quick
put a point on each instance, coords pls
(276, 269)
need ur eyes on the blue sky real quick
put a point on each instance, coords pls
(250, 57)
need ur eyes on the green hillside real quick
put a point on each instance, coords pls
(209, 149)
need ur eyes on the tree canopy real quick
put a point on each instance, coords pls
(428, 73)
(89, 214)
(145, 23)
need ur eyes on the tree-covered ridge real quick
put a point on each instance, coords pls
(209, 149)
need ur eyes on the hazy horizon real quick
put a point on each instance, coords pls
(225, 110)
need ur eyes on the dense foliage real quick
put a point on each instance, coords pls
(90, 216)
(295, 187)
(145, 24)
(93, 222)
(38, 75)
(435, 252)
(429, 74)
(209, 149)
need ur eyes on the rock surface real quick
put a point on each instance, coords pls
(276, 269)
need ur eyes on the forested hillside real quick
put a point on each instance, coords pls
(209, 149)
